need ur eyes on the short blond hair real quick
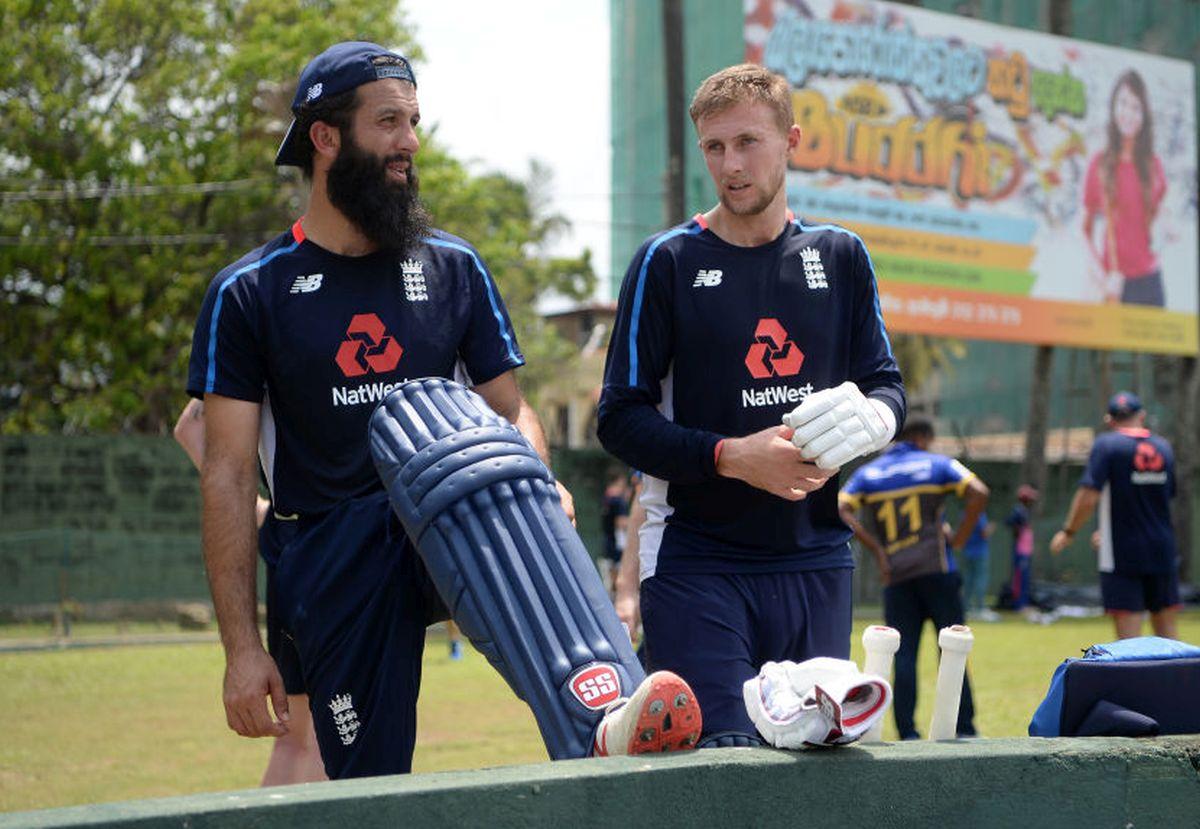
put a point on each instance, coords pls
(744, 82)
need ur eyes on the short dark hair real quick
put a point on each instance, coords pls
(917, 427)
(336, 110)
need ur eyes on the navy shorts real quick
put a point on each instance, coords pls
(717, 630)
(273, 536)
(356, 600)
(1150, 591)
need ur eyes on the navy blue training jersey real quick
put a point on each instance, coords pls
(319, 339)
(713, 340)
(902, 495)
(1134, 470)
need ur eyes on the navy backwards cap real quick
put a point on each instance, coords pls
(340, 68)
(1123, 404)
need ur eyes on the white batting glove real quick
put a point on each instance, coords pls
(819, 702)
(835, 426)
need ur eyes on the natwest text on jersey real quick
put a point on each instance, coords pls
(775, 395)
(366, 393)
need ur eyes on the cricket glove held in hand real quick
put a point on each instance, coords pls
(835, 426)
(818, 702)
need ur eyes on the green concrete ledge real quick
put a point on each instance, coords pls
(1024, 783)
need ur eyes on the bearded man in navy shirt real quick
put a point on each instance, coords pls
(749, 361)
(296, 344)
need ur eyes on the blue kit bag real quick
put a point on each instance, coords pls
(1139, 687)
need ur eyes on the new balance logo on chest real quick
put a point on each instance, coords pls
(707, 278)
(814, 271)
(412, 271)
(307, 284)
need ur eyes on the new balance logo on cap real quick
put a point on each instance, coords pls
(307, 284)
(707, 278)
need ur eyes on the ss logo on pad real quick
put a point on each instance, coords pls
(596, 686)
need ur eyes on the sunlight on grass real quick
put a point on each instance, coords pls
(93, 725)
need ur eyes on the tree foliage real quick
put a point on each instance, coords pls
(136, 161)
(507, 221)
(920, 356)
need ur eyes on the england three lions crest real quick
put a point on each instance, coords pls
(412, 271)
(814, 271)
(345, 718)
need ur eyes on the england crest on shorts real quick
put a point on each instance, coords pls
(345, 718)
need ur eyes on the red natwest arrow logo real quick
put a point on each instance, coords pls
(367, 347)
(773, 353)
(1146, 458)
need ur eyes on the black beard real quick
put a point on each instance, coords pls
(390, 215)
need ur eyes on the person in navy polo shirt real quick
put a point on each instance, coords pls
(726, 325)
(295, 344)
(902, 494)
(1130, 477)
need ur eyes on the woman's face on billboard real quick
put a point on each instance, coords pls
(1127, 112)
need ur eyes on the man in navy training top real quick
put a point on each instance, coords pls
(726, 325)
(902, 493)
(296, 343)
(1130, 476)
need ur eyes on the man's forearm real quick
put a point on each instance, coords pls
(638, 434)
(976, 500)
(628, 572)
(230, 555)
(1083, 503)
(189, 431)
(530, 425)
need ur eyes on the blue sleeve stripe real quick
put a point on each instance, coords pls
(211, 377)
(635, 315)
(505, 333)
(878, 311)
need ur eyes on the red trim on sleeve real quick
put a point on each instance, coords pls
(717, 452)
(700, 220)
(298, 230)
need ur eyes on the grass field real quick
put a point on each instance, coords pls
(91, 725)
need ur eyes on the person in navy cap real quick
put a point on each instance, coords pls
(1130, 477)
(296, 343)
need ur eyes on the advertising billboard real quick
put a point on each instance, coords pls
(1009, 184)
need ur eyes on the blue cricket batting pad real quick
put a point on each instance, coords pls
(1139, 687)
(483, 512)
